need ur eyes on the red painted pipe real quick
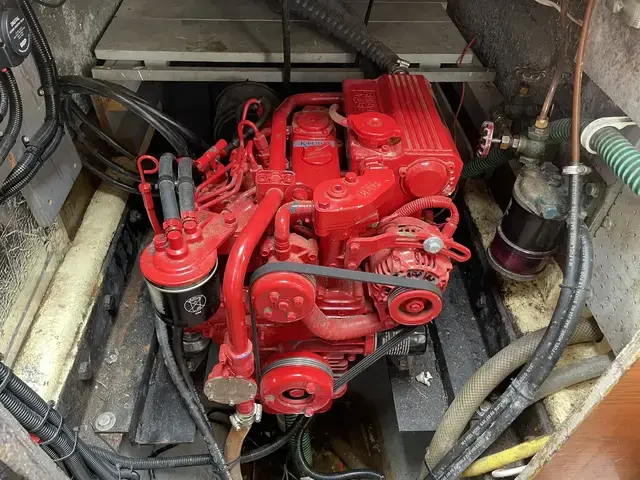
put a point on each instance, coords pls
(346, 328)
(282, 232)
(435, 201)
(236, 269)
(279, 123)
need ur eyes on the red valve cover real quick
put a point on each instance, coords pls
(401, 130)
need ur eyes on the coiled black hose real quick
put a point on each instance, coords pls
(305, 469)
(216, 457)
(166, 185)
(159, 463)
(351, 31)
(186, 187)
(11, 98)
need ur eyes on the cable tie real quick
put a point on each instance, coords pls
(55, 435)
(44, 418)
(579, 169)
(73, 450)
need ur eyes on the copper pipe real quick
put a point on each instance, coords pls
(233, 449)
(577, 84)
(542, 120)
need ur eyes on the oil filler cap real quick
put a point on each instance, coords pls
(374, 129)
(15, 38)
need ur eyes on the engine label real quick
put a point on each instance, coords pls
(195, 304)
(313, 143)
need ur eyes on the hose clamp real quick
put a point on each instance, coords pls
(245, 420)
(579, 169)
(590, 130)
(401, 66)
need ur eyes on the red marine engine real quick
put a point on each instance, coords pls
(303, 245)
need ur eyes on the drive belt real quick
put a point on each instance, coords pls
(338, 274)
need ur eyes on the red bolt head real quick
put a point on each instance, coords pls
(352, 265)
(274, 297)
(323, 204)
(308, 412)
(284, 305)
(298, 301)
(267, 313)
(292, 317)
(229, 218)
(311, 388)
(354, 247)
(350, 177)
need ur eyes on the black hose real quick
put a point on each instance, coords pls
(351, 31)
(305, 469)
(10, 98)
(369, 360)
(158, 463)
(286, 44)
(4, 99)
(167, 188)
(523, 389)
(216, 457)
(186, 187)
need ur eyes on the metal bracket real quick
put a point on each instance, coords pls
(242, 420)
(579, 169)
(590, 130)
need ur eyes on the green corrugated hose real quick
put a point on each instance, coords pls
(620, 155)
(478, 166)
(306, 440)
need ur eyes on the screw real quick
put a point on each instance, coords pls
(111, 359)
(298, 302)
(84, 370)
(350, 177)
(267, 313)
(324, 204)
(292, 317)
(25, 140)
(105, 421)
(433, 244)
(109, 304)
(354, 247)
(41, 92)
(549, 213)
(607, 223)
(274, 297)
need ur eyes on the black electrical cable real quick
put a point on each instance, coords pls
(13, 101)
(159, 463)
(4, 100)
(34, 154)
(69, 105)
(51, 4)
(524, 397)
(216, 457)
(286, 45)
(301, 463)
(178, 351)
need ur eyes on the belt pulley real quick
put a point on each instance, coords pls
(339, 274)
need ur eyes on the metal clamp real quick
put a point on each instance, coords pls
(245, 420)
(590, 130)
(579, 169)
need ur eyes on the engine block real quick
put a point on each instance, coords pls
(358, 181)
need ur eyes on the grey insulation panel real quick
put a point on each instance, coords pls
(613, 59)
(615, 298)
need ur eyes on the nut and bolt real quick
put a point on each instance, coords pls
(592, 189)
(25, 140)
(267, 313)
(109, 304)
(433, 244)
(111, 359)
(105, 421)
(84, 370)
(607, 223)
(298, 302)
(274, 297)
